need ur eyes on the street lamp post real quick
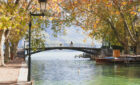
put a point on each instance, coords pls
(42, 10)
(24, 50)
(29, 58)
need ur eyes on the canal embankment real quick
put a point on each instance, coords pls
(14, 73)
(112, 56)
(115, 56)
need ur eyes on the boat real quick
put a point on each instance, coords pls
(109, 60)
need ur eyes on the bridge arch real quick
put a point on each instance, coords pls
(89, 50)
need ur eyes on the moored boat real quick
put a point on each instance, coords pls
(109, 60)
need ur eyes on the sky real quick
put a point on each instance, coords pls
(73, 33)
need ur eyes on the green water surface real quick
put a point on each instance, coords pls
(50, 70)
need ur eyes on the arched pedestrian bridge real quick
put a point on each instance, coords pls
(78, 47)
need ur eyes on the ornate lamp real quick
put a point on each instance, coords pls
(42, 10)
(42, 5)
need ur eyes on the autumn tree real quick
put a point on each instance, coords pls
(107, 19)
(14, 18)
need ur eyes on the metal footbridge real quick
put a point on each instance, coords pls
(78, 47)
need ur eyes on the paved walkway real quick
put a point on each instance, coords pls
(12, 72)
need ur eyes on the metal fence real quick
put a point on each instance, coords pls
(66, 45)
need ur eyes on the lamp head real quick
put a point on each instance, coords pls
(42, 5)
(41, 1)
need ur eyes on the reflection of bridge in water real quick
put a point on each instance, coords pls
(78, 47)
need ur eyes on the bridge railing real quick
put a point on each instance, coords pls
(68, 45)
(85, 47)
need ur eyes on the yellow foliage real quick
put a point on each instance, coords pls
(10, 0)
(88, 6)
(139, 10)
(1, 10)
(117, 12)
(109, 4)
(82, 27)
(51, 18)
(0, 25)
(41, 17)
(97, 1)
(95, 25)
(54, 0)
(124, 3)
(112, 13)
(38, 9)
(97, 21)
(133, 13)
(58, 9)
(84, 40)
(75, 2)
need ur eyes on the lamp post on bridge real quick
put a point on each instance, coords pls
(42, 10)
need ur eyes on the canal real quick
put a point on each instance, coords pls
(60, 67)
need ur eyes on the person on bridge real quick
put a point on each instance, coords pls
(60, 44)
(71, 44)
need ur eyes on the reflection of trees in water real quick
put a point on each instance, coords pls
(37, 69)
(84, 55)
(128, 71)
(116, 75)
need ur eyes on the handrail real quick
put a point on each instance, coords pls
(68, 45)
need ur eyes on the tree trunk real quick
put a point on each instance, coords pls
(7, 50)
(138, 49)
(2, 39)
(14, 50)
(126, 50)
(138, 42)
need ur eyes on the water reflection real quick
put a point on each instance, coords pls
(61, 68)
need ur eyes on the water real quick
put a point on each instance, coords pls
(60, 67)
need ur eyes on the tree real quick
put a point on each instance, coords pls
(14, 18)
(12, 15)
(4, 27)
(105, 18)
